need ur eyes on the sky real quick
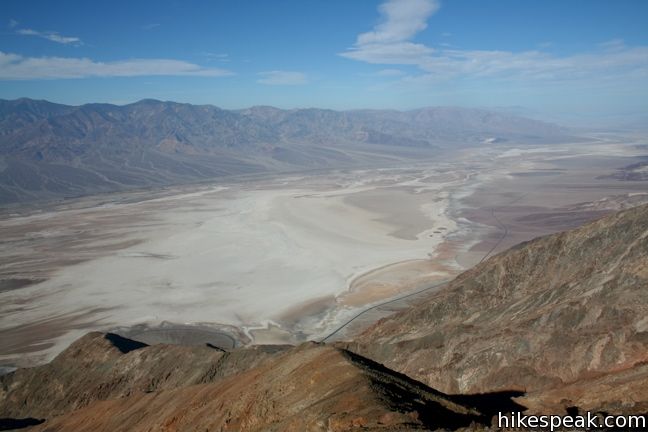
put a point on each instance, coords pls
(555, 56)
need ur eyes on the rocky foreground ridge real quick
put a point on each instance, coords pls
(559, 323)
(107, 383)
(551, 313)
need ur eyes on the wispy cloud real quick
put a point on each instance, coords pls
(150, 26)
(221, 57)
(13, 23)
(607, 63)
(389, 43)
(613, 45)
(17, 67)
(389, 73)
(282, 78)
(401, 19)
(52, 36)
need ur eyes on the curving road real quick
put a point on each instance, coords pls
(380, 305)
(505, 233)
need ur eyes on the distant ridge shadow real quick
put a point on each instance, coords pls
(123, 344)
(490, 404)
(435, 415)
(13, 423)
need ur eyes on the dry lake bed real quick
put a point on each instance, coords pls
(288, 258)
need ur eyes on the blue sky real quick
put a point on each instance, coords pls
(566, 56)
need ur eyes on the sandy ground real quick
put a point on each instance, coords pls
(284, 259)
(270, 259)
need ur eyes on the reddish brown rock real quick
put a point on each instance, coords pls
(308, 388)
(106, 366)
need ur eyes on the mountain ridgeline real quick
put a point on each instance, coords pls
(49, 150)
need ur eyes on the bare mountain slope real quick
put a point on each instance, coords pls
(543, 315)
(49, 150)
(308, 388)
(106, 366)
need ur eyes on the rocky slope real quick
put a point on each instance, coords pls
(548, 314)
(106, 366)
(51, 150)
(620, 392)
(94, 386)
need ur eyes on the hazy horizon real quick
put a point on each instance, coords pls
(593, 122)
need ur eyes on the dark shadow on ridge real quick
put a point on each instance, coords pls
(212, 346)
(432, 412)
(123, 344)
(490, 404)
(14, 423)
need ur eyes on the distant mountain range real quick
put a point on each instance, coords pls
(49, 150)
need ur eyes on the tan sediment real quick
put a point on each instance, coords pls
(388, 281)
(37, 336)
(285, 327)
(399, 207)
(273, 335)
(447, 251)
(312, 307)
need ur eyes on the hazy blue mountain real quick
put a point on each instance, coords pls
(52, 150)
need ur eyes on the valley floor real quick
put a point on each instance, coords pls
(288, 258)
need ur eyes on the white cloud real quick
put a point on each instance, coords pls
(13, 23)
(389, 43)
(402, 19)
(52, 36)
(392, 53)
(282, 78)
(17, 67)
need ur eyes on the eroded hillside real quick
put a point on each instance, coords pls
(545, 314)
